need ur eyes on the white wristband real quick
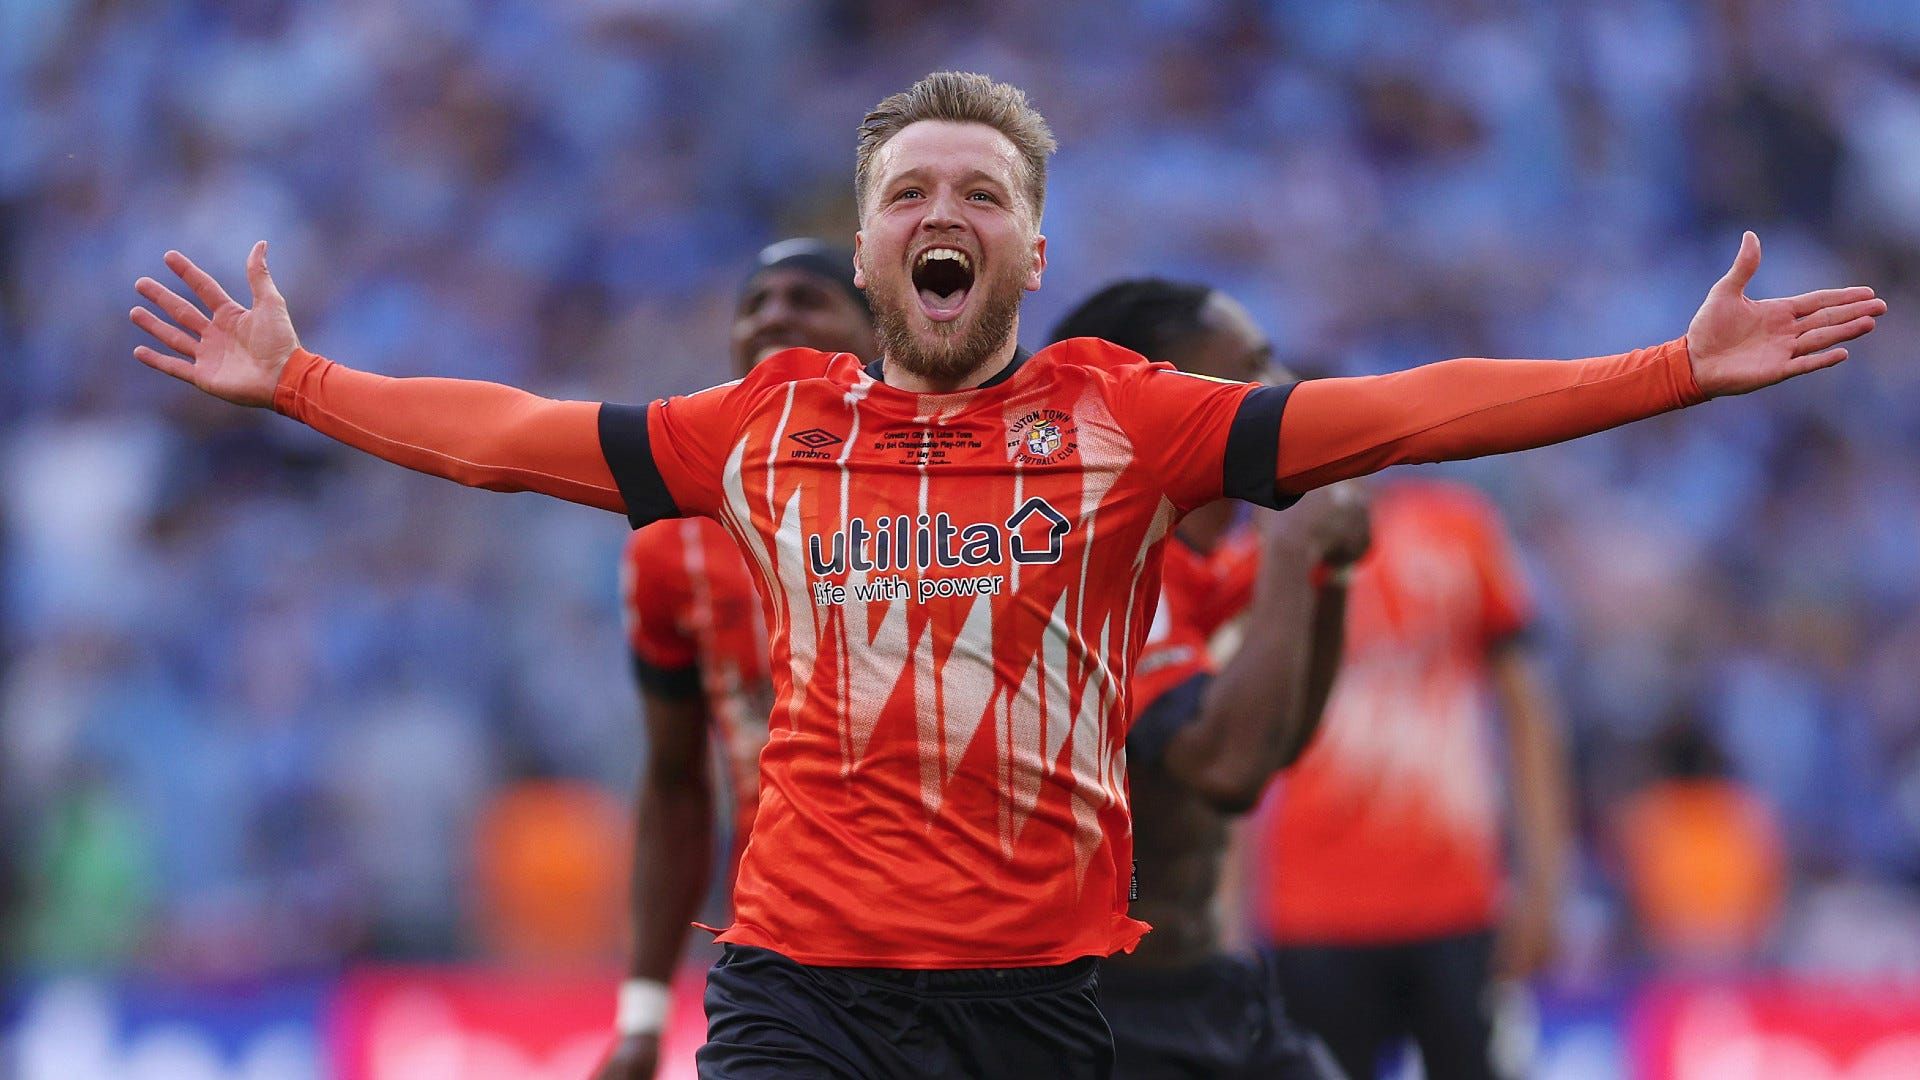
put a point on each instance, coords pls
(643, 1007)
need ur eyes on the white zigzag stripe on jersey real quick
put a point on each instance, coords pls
(1043, 719)
(803, 619)
(961, 704)
(965, 702)
(926, 676)
(1019, 727)
(1105, 452)
(1157, 531)
(872, 664)
(837, 620)
(1090, 793)
(951, 711)
(931, 721)
(737, 516)
(784, 578)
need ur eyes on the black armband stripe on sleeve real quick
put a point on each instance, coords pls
(1156, 725)
(629, 452)
(675, 684)
(1252, 460)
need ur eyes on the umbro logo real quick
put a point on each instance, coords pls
(815, 438)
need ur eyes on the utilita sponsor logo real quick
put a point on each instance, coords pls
(923, 542)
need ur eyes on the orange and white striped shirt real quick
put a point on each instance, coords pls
(957, 586)
(694, 627)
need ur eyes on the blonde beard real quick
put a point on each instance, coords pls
(961, 352)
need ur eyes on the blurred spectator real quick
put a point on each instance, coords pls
(552, 881)
(91, 880)
(1702, 858)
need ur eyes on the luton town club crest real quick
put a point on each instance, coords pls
(1042, 437)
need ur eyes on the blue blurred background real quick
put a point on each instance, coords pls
(259, 693)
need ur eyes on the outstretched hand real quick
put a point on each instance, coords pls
(231, 352)
(1738, 344)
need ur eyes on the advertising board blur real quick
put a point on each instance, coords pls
(453, 1024)
(1805, 1031)
(83, 1029)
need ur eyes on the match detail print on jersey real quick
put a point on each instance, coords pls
(956, 588)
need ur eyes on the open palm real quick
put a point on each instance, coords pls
(232, 352)
(1739, 344)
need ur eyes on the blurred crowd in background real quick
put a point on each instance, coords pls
(266, 704)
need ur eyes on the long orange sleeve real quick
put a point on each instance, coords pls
(477, 433)
(1335, 429)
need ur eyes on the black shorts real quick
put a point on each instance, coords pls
(1223, 1018)
(1363, 1000)
(768, 1016)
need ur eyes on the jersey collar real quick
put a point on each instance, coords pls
(876, 370)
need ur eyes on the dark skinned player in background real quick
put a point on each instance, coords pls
(699, 648)
(943, 845)
(1207, 737)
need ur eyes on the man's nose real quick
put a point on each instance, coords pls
(943, 211)
(775, 312)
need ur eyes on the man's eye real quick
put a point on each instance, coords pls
(983, 195)
(910, 193)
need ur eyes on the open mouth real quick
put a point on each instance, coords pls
(942, 276)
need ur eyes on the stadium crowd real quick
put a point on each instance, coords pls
(260, 695)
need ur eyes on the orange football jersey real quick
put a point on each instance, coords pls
(1389, 827)
(956, 588)
(694, 627)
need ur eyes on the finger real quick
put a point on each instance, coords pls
(177, 307)
(1808, 303)
(1744, 264)
(166, 365)
(258, 279)
(1839, 313)
(1800, 365)
(1828, 336)
(201, 282)
(168, 334)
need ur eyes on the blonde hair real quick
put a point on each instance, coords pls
(962, 97)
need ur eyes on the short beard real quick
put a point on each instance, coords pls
(957, 353)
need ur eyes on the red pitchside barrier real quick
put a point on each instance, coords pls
(454, 1024)
(1804, 1030)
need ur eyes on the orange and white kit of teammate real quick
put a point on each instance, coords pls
(957, 551)
(1380, 881)
(699, 650)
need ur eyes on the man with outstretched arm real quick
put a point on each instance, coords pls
(699, 649)
(957, 575)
